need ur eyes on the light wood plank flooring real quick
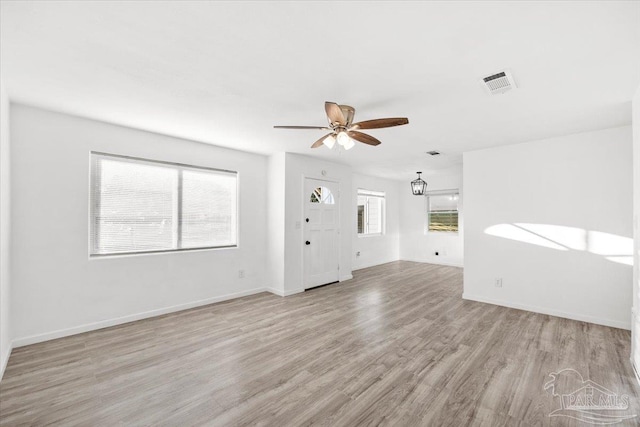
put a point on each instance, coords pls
(396, 345)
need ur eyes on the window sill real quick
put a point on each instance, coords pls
(442, 233)
(159, 252)
(370, 235)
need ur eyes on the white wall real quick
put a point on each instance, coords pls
(635, 344)
(375, 250)
(415, 244)
(298, 168)
(5, 232)
(56, 289)
(275, 220)
(573, 188)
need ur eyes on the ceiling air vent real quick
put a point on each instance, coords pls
(433, 153)
(499, 83)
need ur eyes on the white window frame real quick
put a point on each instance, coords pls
(383, 212)
(452, 192)
(94, 201)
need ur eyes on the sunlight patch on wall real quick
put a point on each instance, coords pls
(568, 237)
(614, 248)
(513, 232)
(609, 244)
(627, 260)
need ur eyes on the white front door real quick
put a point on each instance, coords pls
(321, 232)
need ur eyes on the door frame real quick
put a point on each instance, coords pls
(303, 206)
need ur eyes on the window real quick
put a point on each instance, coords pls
(322, 195)
(443, 212)
(146, 206)
(370, 212)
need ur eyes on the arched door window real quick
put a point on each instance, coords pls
(322, 195)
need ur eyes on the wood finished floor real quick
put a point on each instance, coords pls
(396, 345)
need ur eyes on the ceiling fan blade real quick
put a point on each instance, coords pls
(319, 142)
(363, 137)
(302, 127)
(380, 123)
(349, 116)
(334, 113)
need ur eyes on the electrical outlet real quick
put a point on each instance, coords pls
(498, 282)
(358, 253)
(241, 274)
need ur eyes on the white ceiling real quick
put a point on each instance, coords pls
(225, 73)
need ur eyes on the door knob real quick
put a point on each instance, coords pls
(307, 220)
(307, 242)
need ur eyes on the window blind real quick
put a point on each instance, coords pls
(374, 215)
(370, 193)
(140, 205)
(370, 212)
(208, 209)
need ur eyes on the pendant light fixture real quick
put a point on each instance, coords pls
(418, 186)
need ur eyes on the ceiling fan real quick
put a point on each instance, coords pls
(344, 131)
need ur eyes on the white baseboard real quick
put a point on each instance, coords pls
(4, 359)
(551, 312)
(33, 339)
(275, 291)
(437, 262)
(345, 277)
(284, 293)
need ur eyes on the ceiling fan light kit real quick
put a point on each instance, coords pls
(344, 140)
(329, 141)
(344, 131)
(349, 144)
